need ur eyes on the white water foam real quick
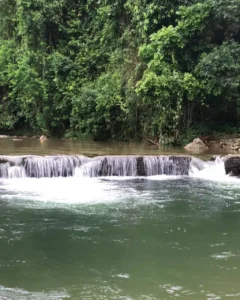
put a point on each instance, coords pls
(210, 170)
(125, 276)
(164, 177)
(223, 255)
(82, 190)
(67, 190)
(89, 190)
(20, 294)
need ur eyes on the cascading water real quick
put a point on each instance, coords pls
(56, 166)
(105, 166)
(208, 169)
(8, 171)
(110, 166)
(37, 166)
(166, 165)
(65, 166)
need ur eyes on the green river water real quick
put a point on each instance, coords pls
(162, 237)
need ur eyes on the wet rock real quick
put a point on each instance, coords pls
(17, 140)
(196, 146)
(3, 136)
(140, 167)
(213, 158)
(232, 166)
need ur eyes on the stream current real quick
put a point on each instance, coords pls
(130, 238)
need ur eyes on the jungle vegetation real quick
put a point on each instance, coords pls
(120, 69)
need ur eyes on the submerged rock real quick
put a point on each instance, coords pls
(196, 146)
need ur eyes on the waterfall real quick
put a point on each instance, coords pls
(9, 171)
(103, 166)
(39, 166)
(213, 169)
(4, 168)
(166, 165)
(16, 172)
(135, 166)
(110, 166)
(52, 166)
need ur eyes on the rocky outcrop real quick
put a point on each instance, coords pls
(197, 146)
(226, 145)
(204, 143)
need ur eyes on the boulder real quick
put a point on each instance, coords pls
(197, 145)
(232, 165)
(43, 138)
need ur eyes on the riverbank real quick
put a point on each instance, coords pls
(44, 145)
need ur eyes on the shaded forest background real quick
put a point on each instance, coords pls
(115, 69)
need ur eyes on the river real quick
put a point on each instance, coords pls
(127, 238)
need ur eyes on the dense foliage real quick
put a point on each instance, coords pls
(119, 69)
